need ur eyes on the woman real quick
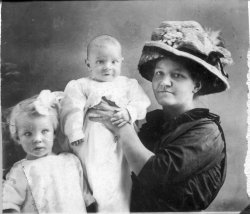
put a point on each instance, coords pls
(178, 162)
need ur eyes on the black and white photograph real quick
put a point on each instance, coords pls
(125, 106)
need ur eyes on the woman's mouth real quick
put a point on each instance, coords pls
(163, 91)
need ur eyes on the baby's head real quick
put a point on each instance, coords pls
(33, 123)
(104, 58)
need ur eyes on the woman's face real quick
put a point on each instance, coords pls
(173, 85)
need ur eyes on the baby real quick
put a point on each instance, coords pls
(106, 167)
(42, 182)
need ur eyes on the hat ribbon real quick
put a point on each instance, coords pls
(213, 58)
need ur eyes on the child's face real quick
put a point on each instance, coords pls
(104, 62)
(36, 135)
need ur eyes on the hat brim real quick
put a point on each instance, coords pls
(215, 73)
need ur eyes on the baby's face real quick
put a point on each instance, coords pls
(105, 62)
(36, 135)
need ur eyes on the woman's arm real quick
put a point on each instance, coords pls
(135, 152)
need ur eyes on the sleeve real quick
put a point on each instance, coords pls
(14, 189)
(199, 148)
(87, 196)
(139, 101)
(72, 111)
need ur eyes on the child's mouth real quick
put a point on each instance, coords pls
(39, 148)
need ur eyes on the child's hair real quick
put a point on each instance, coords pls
(99, 41)
(44, 104)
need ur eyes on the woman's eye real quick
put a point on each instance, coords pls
(158, 73)
(100, 61)
(177, 75)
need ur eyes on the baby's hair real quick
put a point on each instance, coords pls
(99, 41)
(27, 107)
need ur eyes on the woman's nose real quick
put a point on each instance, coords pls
(166, 81)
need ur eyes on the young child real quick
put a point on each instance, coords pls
(107, 170)
(42, 182)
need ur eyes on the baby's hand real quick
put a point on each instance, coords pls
(120, 118)
(77, 142)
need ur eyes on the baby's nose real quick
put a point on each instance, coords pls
(108, 65)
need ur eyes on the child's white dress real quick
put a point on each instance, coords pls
(51, 184)
(106, 167)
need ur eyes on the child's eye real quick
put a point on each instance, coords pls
(45, 131)
(27, 134)
(114, 61)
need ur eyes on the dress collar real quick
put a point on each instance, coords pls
(156, 118)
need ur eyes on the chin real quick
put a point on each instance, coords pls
(165, 102)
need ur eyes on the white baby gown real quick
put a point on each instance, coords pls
(106, 167)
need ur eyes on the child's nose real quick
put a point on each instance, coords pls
(37, 138)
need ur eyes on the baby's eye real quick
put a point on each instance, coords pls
(27, 134)
(45, 131)
(114, 61)
(100, 61)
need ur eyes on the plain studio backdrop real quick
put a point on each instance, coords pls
(44, 46)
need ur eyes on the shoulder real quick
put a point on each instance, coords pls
(127, 80)
(151, 130)
(16, 170)
(80, 81)
(68, 157)
(205, 120)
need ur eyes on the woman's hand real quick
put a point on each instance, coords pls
(103, 113)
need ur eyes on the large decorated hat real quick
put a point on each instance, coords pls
(188, 39)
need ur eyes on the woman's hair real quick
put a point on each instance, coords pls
(30, 108)
(197, 72)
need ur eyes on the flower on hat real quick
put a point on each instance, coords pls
(191, 35)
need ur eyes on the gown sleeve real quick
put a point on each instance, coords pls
(14, 189)
(197, 149)
(139, 101)
(72, 111)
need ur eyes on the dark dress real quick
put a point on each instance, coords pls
(189, 165)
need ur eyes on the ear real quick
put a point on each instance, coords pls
(197, 87)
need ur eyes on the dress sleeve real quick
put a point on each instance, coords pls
(14, 189)
(199, 148)
(139, 101)
(72, 111)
